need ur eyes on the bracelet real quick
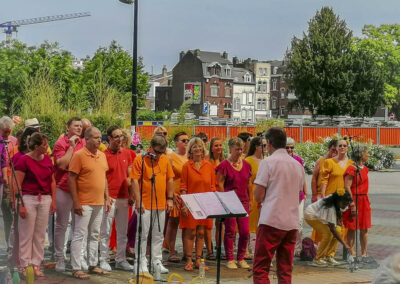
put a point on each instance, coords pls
(170, 198)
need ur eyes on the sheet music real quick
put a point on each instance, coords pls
(191, 203)
(210, 203)
(231, 201)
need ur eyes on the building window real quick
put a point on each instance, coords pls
(243, 114)
(275, 70)
(247, 78)
(264, 104)
(249, 98)
(282, 93)
(259, 104)
(244, 99)
(274, 85)
(227, 71)
(214, 90)
(282, 111)
(237, 104)
(227, 92)
(249, 115)
(262, 71)
(273, 103)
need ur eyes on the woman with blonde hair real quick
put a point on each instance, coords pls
(234, 174)
(197, 177)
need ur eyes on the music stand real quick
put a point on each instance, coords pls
(228, 214)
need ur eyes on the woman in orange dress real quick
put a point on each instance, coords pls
(177, 159)
(197, 177)
(216, 156)
(358, 173)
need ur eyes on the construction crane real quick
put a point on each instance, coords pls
(11, 26)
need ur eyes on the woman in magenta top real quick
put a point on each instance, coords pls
(234, 174)
(35, 176)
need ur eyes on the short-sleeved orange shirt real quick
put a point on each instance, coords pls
(162, 170)
(91, 170)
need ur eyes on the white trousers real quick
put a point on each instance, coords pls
(120, 211)
(157, 236)
(64, 206)
(32, 229)
(299, 239)
(86, 225)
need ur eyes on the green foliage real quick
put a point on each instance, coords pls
(104, 85)
(380, 157)
(149, 115)
(383, 42)
(329, 75)
(264, 125)
(183, 110)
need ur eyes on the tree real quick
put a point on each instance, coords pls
(115, 65)
(384, 44)
(328, 74)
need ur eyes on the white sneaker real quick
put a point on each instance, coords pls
(330, 260)
(163, 269)
(60, 266)
(142, 268)
(320, 262)
(105, 266)
(123, 265)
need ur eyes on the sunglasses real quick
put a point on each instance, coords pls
(289, 147)
(118, 137)
(204, 140)
(159, 152)
(162, 133)
(342, 146)
(185, 140)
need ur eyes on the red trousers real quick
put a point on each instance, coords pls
(268, 241)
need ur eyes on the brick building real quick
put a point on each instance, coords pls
(205, 78)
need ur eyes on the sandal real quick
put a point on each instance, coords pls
(210, 256)
(174, 258)
(38, 272)
(22, 270)
(98, 271)
(189, 266)
(79, 274)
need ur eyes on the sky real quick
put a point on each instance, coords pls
(258, 29)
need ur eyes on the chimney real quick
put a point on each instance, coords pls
(181, 55)
(164, 71)
(235, 61)
(196, 52)
(225, 55)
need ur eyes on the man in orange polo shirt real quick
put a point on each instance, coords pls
(164, 186)
(121, 195)
(88, 186)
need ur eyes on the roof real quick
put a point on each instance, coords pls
(210, 56)
(156, 77)
(238, 75)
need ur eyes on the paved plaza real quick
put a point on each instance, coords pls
(384, 240)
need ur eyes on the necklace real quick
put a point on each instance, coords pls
(236, 164)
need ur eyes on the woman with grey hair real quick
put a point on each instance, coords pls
(357, 175)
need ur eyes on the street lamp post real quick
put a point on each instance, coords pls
(135, 4)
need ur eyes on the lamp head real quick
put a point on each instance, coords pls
(127, 1)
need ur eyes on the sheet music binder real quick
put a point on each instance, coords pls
(214, 205)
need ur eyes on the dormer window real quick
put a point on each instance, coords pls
(247, 78)
(275, 70)
(227, 71)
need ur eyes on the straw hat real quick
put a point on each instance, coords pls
(32, 122)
